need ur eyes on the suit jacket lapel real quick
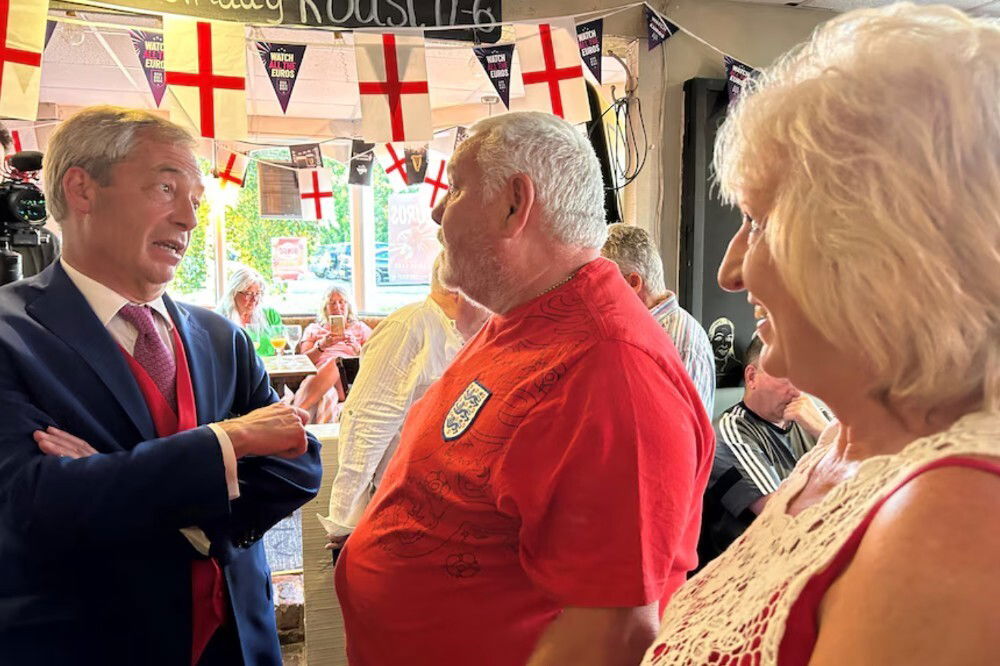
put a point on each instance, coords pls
(201, 360)
(64, 311)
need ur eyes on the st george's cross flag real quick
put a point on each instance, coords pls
(24, 138)
(205, 63)
(392, 82)
(551, 69)
(230, 167)
(22, 40)
(316, 193)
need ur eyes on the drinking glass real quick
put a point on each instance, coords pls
(293, 333)
(278, 339)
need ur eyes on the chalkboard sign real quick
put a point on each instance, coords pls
(346, 14)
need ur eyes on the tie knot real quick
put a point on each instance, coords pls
(140, 316)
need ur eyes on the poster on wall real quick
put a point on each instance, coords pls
(289, 258)
(413, 242)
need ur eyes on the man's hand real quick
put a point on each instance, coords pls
(275, 430)
(804, 411)
(336, 542)
(55, 442)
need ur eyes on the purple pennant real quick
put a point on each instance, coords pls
(496, 60)
(590, 35)
(738, 76)
(659, 28)
(149, 49)
(50, 27)
(282, 63)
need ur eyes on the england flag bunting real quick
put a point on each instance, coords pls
(392, 157)
(316, 193)
(436, 178)
(205, 63)
(22, 40)
(24, 138)
(551, 69)
(230, 167)
(392, 82)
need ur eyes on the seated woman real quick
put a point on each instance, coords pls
(867, 167)
(320, 393)
(241, 304)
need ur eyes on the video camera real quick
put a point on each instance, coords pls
(22, 211)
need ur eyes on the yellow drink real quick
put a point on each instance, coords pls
(278, 343)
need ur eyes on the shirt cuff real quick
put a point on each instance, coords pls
(228, 459)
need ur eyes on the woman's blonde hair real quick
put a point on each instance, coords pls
(877, 147)
(351, 317)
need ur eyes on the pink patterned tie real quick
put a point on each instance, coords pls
(151, 352)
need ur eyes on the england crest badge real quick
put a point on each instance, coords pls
(465, 410)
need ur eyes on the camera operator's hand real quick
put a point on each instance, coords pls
(55, 442)
(275, 430)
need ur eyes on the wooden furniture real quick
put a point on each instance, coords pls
(288, 371)
(325, 641)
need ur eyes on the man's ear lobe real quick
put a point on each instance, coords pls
(79, 189)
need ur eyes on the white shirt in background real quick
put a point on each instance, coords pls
(408, 352)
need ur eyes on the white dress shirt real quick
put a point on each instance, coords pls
(408, 352)
(106, 303)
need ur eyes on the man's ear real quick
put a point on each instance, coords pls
(750, 376)
(635, 281)
(79, 189)
(520, 200)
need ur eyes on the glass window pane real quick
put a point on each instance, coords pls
(194, 281)
(405, 244)
(298, 258)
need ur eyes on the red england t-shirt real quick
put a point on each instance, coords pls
(559, 461)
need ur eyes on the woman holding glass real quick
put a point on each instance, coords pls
(336, 333)
(241, 304)
(867, 167)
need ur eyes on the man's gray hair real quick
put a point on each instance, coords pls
(632, 249)
(561, 163)
(96, 139)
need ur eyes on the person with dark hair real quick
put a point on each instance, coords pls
(6, 140)
(758, 442)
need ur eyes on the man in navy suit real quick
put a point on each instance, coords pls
(142, 455)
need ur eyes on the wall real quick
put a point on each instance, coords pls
(755, 34)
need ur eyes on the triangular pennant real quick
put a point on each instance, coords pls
(738, 75)
(393, 159)
(22, 39)
(50, 27)
(205, 65)
(316, 192)
(24, 138)
(360, 167)
(392, 82)
(230, 167)
(590, 36)
(416, 164)
(497, 60)
(282, 63)
(437, 178)
(551, 70)
(149, 49)
(658, 28)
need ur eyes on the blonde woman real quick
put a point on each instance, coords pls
(321, 393)
(867, 166)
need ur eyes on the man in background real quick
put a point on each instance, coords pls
(408, 352)
(759, 441)
(637, 258)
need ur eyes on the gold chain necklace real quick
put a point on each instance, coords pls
(558, 284)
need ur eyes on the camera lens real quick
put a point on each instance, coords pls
(28, 206)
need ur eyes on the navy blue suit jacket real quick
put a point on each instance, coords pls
(93, 569)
